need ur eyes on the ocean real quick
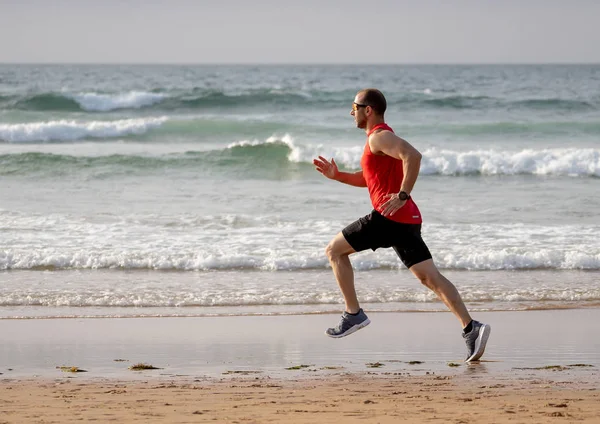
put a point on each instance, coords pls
(138, 190)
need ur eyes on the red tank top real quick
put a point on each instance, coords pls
(384, 175)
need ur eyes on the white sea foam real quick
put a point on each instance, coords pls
(272, 243)
(205, 259)
(568, 162)
(65, 130)
(285, 139)
(96, 102)
(242, 291)
(572, 162)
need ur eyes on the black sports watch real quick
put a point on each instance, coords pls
(403, 195)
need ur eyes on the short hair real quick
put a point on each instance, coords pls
(374, 98)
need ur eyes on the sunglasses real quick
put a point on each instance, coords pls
(356, 106)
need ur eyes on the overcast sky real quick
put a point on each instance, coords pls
(309, 31)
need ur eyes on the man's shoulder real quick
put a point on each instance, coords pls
(382, 135)
(381, 140)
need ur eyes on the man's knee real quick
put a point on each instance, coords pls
(331, 251)
(424, 278)
(428, 281)
(427, 274)
(337, 248)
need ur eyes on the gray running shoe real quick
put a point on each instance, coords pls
(476, 340)
(349, 324)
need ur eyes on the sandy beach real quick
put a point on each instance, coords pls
(373, 398)
(540, 366)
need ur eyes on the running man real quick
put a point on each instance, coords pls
(390, 167)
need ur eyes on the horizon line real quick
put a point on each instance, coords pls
(305, 63)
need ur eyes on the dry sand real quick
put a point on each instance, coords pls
(354, 398)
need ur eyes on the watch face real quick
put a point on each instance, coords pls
(403, 195)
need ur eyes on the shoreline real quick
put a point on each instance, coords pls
(117, 293)
(442, 310)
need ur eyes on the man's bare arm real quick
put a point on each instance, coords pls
(331, 171)
(355, 179)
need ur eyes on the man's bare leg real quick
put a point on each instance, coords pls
(477, 333)
(338, 251)
(429, 275)
(354, 318)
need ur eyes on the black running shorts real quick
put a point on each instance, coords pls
(374, 231)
